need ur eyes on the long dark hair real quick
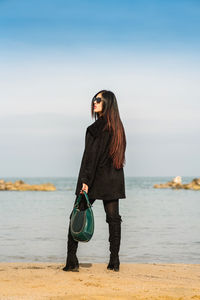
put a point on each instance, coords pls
(110, 113)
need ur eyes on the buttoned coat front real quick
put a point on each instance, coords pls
(97, 171)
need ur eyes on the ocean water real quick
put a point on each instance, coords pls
(158, 225)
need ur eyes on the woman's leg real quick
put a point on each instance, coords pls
(72, 263)
(114, 220)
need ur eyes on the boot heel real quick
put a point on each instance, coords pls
(72, 263)
(114, 264)
(71, 268)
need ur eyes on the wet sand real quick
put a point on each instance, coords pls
(93, 281)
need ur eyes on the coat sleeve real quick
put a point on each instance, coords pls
(94, 148)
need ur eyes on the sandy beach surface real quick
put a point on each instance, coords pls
(94, 281)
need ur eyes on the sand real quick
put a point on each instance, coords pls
(93, 281)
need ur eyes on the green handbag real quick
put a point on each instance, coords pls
(82, 221)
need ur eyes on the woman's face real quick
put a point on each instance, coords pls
(98, 106)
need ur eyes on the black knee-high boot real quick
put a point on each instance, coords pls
(114, 224)
(72, 263)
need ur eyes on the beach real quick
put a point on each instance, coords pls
(159, 251)
(94, 281)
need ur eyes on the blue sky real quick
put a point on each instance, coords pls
(141, 25)
(55, 55)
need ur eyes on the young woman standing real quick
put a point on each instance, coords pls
(101, 173)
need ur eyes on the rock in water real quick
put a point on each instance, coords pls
(176, 183)
(20, 185)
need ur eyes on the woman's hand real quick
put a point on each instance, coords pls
(84, 188)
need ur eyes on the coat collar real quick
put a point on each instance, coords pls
(97, 126)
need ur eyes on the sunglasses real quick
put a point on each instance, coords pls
(98, 100)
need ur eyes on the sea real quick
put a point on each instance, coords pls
(158, 225)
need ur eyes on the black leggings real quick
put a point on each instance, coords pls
(111, 208)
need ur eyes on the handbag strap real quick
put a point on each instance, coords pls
(79, 198)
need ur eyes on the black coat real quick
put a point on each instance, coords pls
(97, 170)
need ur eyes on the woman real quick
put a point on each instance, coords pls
(101, 173)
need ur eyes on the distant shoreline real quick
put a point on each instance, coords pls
(133, 281)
